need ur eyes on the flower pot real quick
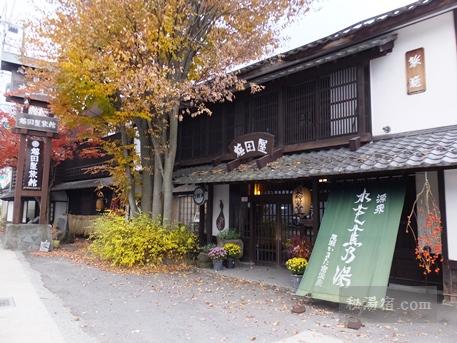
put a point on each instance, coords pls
(231, 261)
(296, 279)
(217, 265)
(221, 242)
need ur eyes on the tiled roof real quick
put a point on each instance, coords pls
(415, 150)
(359, 31)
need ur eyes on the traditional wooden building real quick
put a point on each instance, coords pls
(373, 104)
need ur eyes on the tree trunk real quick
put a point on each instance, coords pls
(169, 164)
(157, 195)
(147, 164)
(128, 172)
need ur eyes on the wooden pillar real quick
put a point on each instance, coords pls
(450, 292)
(201, 225)
(252, 234)
(45, 181)
(209, 215)
(316, 209)
(18, 205)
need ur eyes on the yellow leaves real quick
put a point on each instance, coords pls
(139, 241)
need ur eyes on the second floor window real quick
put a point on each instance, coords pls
(322, 108)
(302, 108)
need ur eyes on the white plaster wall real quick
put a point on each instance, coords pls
(221, 192)
(437, 106)
(450, 184)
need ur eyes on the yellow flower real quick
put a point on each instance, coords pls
(296, 265)
(233, 249)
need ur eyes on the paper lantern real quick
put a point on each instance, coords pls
(301, 201)
(100, 203)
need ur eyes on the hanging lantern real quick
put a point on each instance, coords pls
(100, 203)
(257, 189)
(301, 201)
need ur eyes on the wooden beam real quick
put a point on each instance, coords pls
(263, 161)
(233, 164)
(326, 143)
(34, 133)
(30, 193)
(354, 143)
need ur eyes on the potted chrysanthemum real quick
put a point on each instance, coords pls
(233, 253)
(297, 266)
(217, 255)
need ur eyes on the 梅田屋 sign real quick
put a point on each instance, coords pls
(36, 123)
(33, 165)
(355, 243)
(255, 144)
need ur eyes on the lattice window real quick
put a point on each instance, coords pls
(322, 108)
(263, 113)
(188, 211)
(300, 113)
(343, 102)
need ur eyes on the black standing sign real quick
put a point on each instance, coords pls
(33, 173)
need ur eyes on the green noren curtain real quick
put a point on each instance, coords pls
(353, 251)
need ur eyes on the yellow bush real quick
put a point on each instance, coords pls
(139, 241)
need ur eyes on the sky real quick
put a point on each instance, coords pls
(324, 18)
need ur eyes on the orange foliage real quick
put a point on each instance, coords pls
(63, 147)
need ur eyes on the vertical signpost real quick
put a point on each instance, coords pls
(34, 162)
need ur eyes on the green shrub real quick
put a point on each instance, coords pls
(228, 234)
(139, 241)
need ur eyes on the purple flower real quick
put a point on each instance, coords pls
(217, 253)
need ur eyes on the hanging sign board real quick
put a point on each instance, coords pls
(33, 173)
(199, 196)
(255, 144)
(415, 71)
(355, 244)
(36, 123)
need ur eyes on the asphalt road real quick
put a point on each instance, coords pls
(200, 306)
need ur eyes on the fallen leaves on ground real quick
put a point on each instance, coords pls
(78, 252)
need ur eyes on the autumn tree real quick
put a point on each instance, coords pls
(138, 66)
(63, 146)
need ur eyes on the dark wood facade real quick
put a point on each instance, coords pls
(321, 107)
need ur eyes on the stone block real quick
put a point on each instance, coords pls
(26, 236)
